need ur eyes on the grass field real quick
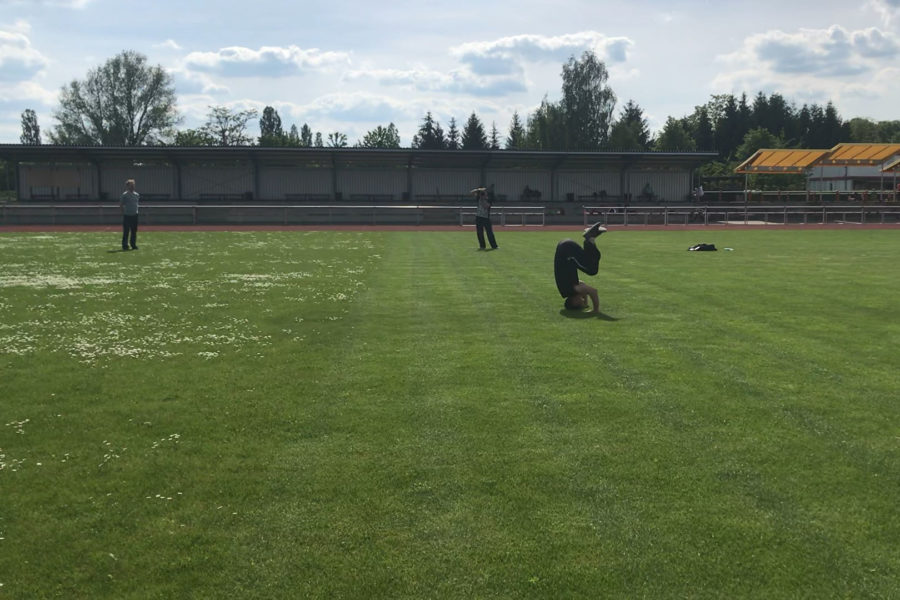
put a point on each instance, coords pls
(397, 415)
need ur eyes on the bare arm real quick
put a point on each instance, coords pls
(583, 288)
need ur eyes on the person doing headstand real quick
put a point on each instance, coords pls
(571, 258)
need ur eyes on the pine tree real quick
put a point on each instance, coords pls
(453, 135)
(430, 135)
(495, 136)
(516, 138)
(473, 136)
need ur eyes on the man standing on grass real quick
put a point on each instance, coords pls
(571, 258)
(129, 203)
(483, 219)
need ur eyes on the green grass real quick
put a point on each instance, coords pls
(397, 415)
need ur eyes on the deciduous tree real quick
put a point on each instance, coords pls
(587, 102)
(381, 137)
(124, 102)
(337, 140)
(271, 132)
(31, 131)
(228, 127)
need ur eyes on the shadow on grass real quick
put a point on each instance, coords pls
(583, 314)
(116, 251)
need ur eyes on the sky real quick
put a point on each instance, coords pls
(351, 65)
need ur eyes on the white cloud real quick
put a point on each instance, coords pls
(188, 82)
(888, 10)
(849, 68)
(268, 61)
(27, 92)
(18, 59)
(499, 67)
(76, 4)
(505, 53)
(829, 53)
(353, 107)
(456, 81)
(168, 45)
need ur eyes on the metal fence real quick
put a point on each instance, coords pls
(742, 215)
(261, 214)
(462, 215)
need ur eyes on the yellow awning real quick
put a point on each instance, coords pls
(861, 154)
(781, 161)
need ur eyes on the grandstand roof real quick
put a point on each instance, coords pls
(894, 166)
(781, 161)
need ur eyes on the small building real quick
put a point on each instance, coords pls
(844, 168)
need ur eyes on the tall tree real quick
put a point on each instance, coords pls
(674, 137)
(381, 137)
(294, 137)
(889, 132)
(704, 136)
(194, 137)
(516, 139)
(306, 136)
(728, 132)
(495, 137)
(430, 135)
(318, 143)
(757, 139)
(228, 127)
(270, 131)
(473, 135)
(587, 102)
(835, 130)
(453, 142)
(630, 131)
(337, 140)
(546, 127)
(31, 131)
(124, 102)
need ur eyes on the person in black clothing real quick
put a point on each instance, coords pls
(571, 258)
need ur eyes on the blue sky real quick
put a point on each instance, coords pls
(350, 65)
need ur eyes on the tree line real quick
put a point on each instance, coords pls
(126, 101)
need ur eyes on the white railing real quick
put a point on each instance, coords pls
(746, 215)
(509, 216)
(273, 214)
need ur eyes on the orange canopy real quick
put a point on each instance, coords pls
(781, 161)
(861, 154)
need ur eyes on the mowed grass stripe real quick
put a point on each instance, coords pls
(445, 431)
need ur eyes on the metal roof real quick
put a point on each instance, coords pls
(861, 154)
(798, 161)
(780, 161)
(894, 166)
(361, 157)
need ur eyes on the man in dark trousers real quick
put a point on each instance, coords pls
(571, 258)
(483, 218)
(129, 202)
